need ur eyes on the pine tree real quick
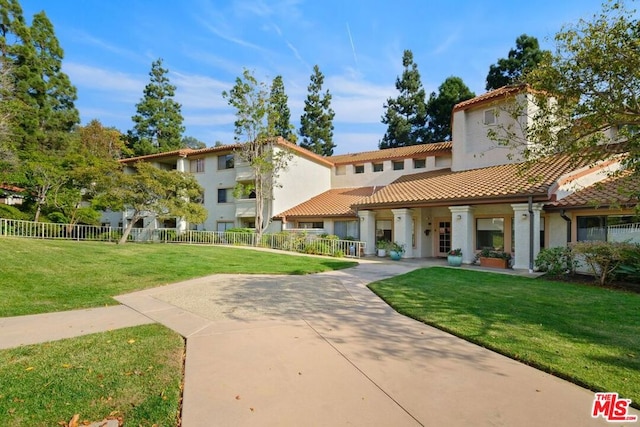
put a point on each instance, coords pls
(406, 115)
(279, 114)
(440, 107)
(316, 124)
(511, 70)
(158, 122)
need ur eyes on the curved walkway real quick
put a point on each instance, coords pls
(323, 350)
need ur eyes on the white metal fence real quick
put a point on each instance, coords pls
(287, 241)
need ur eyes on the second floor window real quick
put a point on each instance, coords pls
(225, 162)
(378, 167)
(225, 195)
(196, 166)
(358, 168)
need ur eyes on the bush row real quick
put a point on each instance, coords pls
(606, 261)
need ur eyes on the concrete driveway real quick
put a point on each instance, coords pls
(322, 350)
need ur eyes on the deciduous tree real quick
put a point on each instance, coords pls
(587, 93)
(153, 192)
(406, 115)
(316, 124)
(251, 100)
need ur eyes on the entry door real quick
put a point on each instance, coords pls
(444, 238)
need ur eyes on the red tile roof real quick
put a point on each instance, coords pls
(332, 203)
(420, 150)
(614, 191)
(503, 183)
(188, 152)
(492, 96)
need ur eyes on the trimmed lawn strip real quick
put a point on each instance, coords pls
(133, 373)
(42, 276)
(586, 334)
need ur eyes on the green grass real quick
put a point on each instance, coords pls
(582, 333)
(40, 276)
(133, 373)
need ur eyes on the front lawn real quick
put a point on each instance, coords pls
(134, 374)
(586, 334)
(41, 276)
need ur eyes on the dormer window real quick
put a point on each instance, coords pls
(490, 116)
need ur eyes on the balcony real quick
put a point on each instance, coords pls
(244, 173)
(245, 208)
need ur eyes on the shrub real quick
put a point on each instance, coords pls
(11, 212)
(491, 253)
(602, 258)
(629, 268)
(556, 262)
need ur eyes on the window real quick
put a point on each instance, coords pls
(224, 225)
(358, 168)
(378, 167)
(601, 227)
(225, 162)
(383, 230)
(490, 117)
(225, 195)
(344, 229)
(419, 163)
(398, 165)
(169, 223)
(315, 224)
(490, 233)
(196, 166)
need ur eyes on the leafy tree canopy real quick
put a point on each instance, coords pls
(440, 107)
(587, 93)
(193, 143)
(511, 70)
(151, 191)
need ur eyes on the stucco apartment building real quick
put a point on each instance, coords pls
(468, 193)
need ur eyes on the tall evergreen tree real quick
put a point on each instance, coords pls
(316, 124)
(158, 122)
(279, 114)
(406, 115)
(511, 70)
(440, 107)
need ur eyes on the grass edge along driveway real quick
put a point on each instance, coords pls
(43, 276)
(582, 333)
(134, 373)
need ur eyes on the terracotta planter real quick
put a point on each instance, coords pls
(494, 262)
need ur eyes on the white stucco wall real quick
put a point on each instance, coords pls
(302, 180)
(211, 180)
(472, 147)
(370, 178)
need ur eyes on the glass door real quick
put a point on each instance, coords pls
(444, 238)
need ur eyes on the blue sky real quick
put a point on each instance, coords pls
(110, 45)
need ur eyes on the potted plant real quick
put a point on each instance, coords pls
(396, 251)
(382, 245)
(490, 257)
(454, 257)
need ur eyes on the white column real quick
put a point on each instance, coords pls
(403, 230)
(462, 226)
(368, 231)
(521, 227)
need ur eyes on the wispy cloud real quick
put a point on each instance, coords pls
(353, 48)
(446, 43)
(199, 92)
(102, 79)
